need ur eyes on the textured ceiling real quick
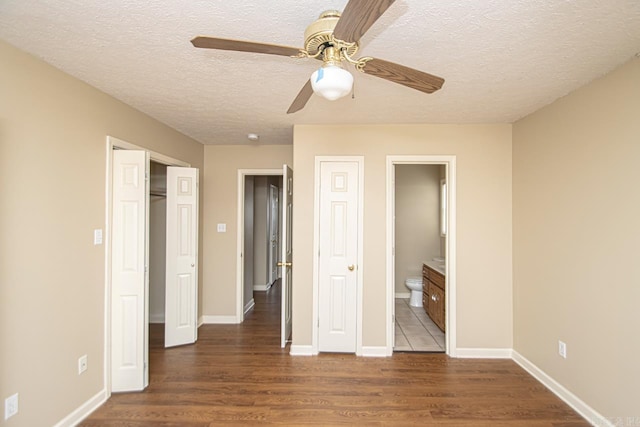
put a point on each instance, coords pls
(501, 59)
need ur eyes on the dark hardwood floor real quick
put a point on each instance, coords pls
(239, 375)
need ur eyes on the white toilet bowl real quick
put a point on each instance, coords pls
(415, 285)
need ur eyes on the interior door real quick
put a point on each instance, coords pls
(129, 275)
(337, 291)
(273, 233)
(287, 252)
(181, 290)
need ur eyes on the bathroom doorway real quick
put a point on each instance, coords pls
(420, 214)
(418, 242)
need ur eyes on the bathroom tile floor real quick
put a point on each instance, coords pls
(415, 331)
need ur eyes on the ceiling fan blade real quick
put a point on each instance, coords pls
(243, 46)
(302, 98)
(357, 17)
(424, 82)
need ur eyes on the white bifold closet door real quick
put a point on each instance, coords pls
(129, 275)
(130, 271)
(181, 297)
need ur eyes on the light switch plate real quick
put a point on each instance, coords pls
(222, 228)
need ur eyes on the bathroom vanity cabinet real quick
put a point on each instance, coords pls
(433, 296)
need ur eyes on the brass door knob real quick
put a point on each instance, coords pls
(284, 264)
(351, 267)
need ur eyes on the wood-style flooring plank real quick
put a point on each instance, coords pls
(239, 375)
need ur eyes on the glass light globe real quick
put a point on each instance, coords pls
(331, 82)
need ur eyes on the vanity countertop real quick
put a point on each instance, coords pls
(437, 266)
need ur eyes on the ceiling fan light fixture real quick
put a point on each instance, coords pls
(331, 82)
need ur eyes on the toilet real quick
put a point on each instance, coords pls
(415, 285)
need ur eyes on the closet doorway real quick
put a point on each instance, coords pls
(133, 214)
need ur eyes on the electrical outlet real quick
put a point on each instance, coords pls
(562, 349)
(82, 364)
(10, 406)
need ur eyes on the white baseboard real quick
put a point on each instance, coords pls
(403, 295)
(262, 287)
(302, 350)
(84, 410)
(484, 353)
(590, 414)
(249, 306)
(219, 320)
(156, 318)
(368, 351)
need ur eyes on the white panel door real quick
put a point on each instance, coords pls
(273, 233)
(337, 291)
(181, 291)
(287, 253)
(129, 278)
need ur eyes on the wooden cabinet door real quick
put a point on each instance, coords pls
(432, 308)
(439, 305)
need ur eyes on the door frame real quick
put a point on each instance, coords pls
(111, 144)
(242, 174)
(316, 249)
(450, 269)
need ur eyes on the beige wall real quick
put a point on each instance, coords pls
(576, 240)
(417, 226)
(484, 222)
(220, 206)
(53, 132)
(260, 193)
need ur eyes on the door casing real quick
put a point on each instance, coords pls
(316, 248)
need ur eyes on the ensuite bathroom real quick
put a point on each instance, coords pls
(420, 250)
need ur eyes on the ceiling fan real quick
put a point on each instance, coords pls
(334, 38)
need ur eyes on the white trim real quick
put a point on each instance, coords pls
(375, 351)
(303, 350)
(403, 295)
(316, 247)
(484, 353)
(84, 410)
(219, 320)
(261, 288)
(107, 269)
(577, 404)
(154, 156)
(248, 306)
(449, 162)
(242, 173)
(111, 144)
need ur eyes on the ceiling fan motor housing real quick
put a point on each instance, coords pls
(319, 34)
